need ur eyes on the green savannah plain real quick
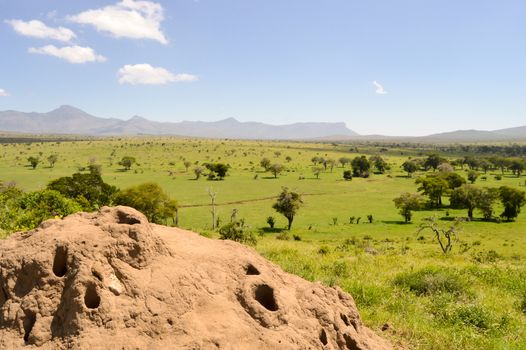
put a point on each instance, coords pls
(405, 287)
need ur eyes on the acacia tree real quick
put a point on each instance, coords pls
(33, 161)
(360, 166)
(407, 203)
(466, 197)
(434, 187)
(288, 204)
(52, 159)
(379, 163)
(127, 162)
(410, 167)
(276, 169)
(265, 163)
(444, 235)
(150, 199)
(512, 199)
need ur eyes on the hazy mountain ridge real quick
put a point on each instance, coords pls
(71, 120)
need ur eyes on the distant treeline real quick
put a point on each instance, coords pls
(34, 139)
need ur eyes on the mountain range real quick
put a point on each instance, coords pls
(71, 120)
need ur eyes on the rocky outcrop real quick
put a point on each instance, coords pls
(111, 280)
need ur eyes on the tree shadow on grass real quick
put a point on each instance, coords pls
(271, 230)
(396, 222)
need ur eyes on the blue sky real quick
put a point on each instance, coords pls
(394, 67)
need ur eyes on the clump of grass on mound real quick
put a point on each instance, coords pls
(431, 280)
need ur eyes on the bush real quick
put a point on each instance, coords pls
(150, 199)
(271, 221)
(472, 315)
(430, 281)
(236, 231)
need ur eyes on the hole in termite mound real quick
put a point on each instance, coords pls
(91, 297)
(60, 263)
(323, 337)
(252, 270)
(127, 218)
(264, 294)
(28, 323)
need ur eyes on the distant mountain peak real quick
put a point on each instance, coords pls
(229, 120)
(137, 118)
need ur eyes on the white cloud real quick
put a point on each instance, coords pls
(38, 29)
(146, 74)
(127, 19)
(72, 54)
(3, 93)
(379, 89)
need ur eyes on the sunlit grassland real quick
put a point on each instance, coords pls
(484, 312)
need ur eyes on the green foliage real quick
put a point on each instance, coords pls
(42, 205)
(271, 221)
(52, 159)
(407, 203)
(236, 231)
(276, 169)
(217, 170)
(360, 166)
(33, 161)
(127, 162)
(89, 190)
(288, 204)
(265, 163)
(431, 280)
(473, 176)
(379, 163)
(347, 175)
(150, 199)
(434, 187)
(512, 199)
(409, 167)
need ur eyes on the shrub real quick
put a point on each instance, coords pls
(324, 250)
(271, 221)
(430, 281)
(236, 231)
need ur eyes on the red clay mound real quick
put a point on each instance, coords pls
(111, 280)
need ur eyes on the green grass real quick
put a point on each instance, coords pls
(473, 298)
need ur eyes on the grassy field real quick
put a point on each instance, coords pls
(473, 298)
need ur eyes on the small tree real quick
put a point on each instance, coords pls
(361, 166)
(236, 231)
(347, 175)
(265, 163)
(197, 172)
(89, 190)
(472, 176)
(271, 221)
(443, 234)
(410, 167)
(150, 199)
(379, 163)
(127, 162)
(276, 169)
(317, 171)
(407, 203)
(466, 197)
(33, 161)
(288, 204)
(217, 170)
(52, 159)
(512, 199)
